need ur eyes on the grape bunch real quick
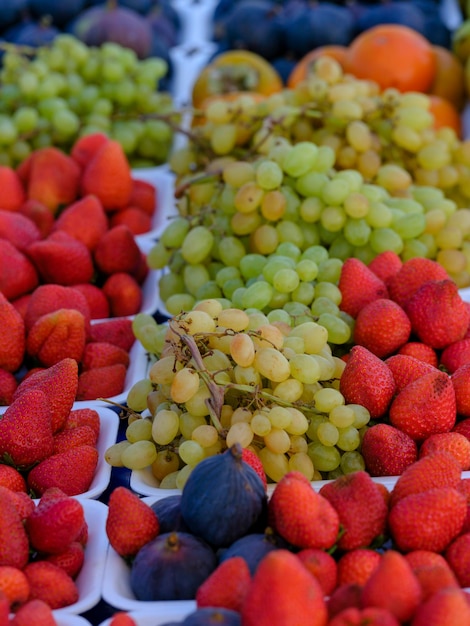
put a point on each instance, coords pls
(227, 375)
(53, 94)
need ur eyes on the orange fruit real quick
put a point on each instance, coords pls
(302, 69)
(449, 80)
(393, 55)
(445, 114)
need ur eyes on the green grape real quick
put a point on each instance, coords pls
(197, 244)
(269, 175)
(323, 304)
(165, 426)
(191, 452)
(179, 302)
(324, 458)
(195, 276)
(25, 119)
(338, 331)
(357, 231)
(382, 239)
(137, 395)
(349, 439)
(258, 295)
(286, 280)
(300, 159)
(231, 251)
(251, 265)
(352, 462)
(327, 434)
(139, 455)
(139, 430)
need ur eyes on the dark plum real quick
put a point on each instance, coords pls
(319, 25)
(208, 616)
(140, 6)
(163, 28)
(404, 13)
(219, 18)
(169, 514)
(12, 11)
(31, 33)
(284, 67)
(59, 12)
(252, 547)
(171, 567)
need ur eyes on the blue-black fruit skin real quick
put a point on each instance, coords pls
(31, 33)
(284, 67)
(403, 13)
(58, 12)
(208, 616)
(252, 548)
(169, 514)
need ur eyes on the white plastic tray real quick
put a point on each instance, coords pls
(71, 620)
(188, 60)
(147, 618)
(89, 581)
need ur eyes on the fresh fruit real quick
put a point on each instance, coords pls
(84, 220)
(382, 327)
(406, 369)
(356, 566)
(101, 382)
(455, 443)
(359, 286)
(14, 545)
(388, 451)
(56, 336)
(13, 344)
(51, 584)
(456, 556)
(226, 586)
(411, 276)
(432, 571)
(322, 565)
(447, 607)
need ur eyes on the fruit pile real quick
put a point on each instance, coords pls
(352, 551)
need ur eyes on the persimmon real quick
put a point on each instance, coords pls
(393, 55)
(303, 68)
(445, 114)
(449, 80)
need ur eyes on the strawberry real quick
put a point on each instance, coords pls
(455, 443)
(62, 260)
(123, 293)
(122, 619)
(439, 469)
(432, 571)
(18, 230)
(84, 417)
(117, 251)
(406, 369)
(360, 506)
(18, 276)
(101, 382)
(438, 314)
(51, 177)
(463, 427)
(372, 616)
(35, 612)
(118, 332)
(382, 327)
(420, 351)
(86, 146)
(84, 220)
(97, 301)
(56, 336)
(367, 380)
(343, 597)
(59, 383)
(411, 276)
(73, 437)
(8, 385)
(11, 478)
(253, 459)
(302, 516)
(130, 523)
(14, 584)
(54, 524)
(356, 566)
(425, 406)
(136, 220)
(144, 195)
(25, 429)
(108, 176)
(14, 544)
(227, 586)
(72, 471)
(283, 592)
(21, 304)
(457, 556)
(40, 215)
(359, 286)
(12, 346)
(455, 355)
(322, 565)
(13, 193)
(20, 500)
(142, 269)
(447, 607)
(461, 384)
(71, 560)
(48, 298)
(101, 354)
(51, 584)
(387, 451)
(428, 520)
(393, 586)
(385, 265)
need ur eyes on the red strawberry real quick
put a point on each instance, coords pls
(432, 571)
(18, 230)
(84, 220)
(18, 276)
(59, 384)
(72, 471)
(447, 607)
(372, 616)
(13, 193)
(458, 557)
(12, 346)
(425, 406)
(97, 301)
(61, 259)
(463, 427)
(123, 293)
(84, 417)
(300, 515)
(393, 586)
(48, 298)
(73, 437)
(51, 584)
(122, 619)
(131, 523)
(283, 592)
(455, 355)
(360, 506)
(385, 265)
(142, 270)
(101, 354)
(25, 429)
(117, 251)
(323, 566)
(14, 544)
(35, 612)
(14, 585)
(359, 286)
(227, 586)
(101, 382)
(438, 314)
(108, 176)
(429, 520)
(56, 336)
(21, 501)
(367, 380)
(439, 469)
(40, 215)
(85, 147)
(253, 459)
(118, 332)
(420, 351)
(136, 220)
(461, 384)
(387, 451)
(411, 276)
(144, 195)
(455, 443)
(11, 478)
(54, 524)
(382, 327)
(8, 385)
(356, 566)
(71, 560)
(344, 597)
(406, 369)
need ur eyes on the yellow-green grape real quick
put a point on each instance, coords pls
(239, 432)
(138, 394)
(163, 371)
(289, 390)
(165, 426)
(272, 364)
(361, 415)
(298, 424)
(260, 424)
(165, 463)
(188, 422)
(184, 385)
(327, 434)
(352, 462)
(301, 462)
(169, 481)
(279, 416)
(241, 414)
(341, 416)
(191, 452)
(113, 454)
(305, 368)
(242, 349)
(275, 465)
(139, 455)
(138, 430)
(277, 440)
(327, 399)
(197, 404)
(349, 438)
(324, 458)
(182, 476)
(315, 337)
(197, 321)
(205, 435)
